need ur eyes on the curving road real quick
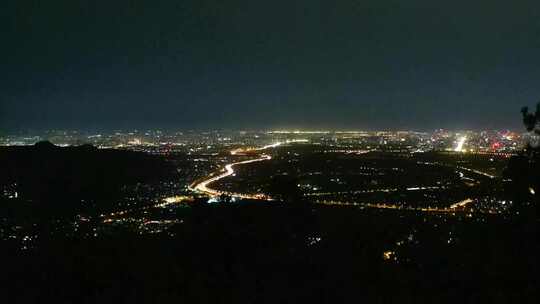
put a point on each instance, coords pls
(229, 171)
(204, 186)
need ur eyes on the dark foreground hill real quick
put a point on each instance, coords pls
(280, 254)
(60, 180)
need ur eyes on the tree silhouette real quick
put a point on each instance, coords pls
(530, 120)
(523, 170)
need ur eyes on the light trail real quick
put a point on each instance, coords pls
(204, 186)
(373, 191)
(460, 144)
(457, 207)
(477, 172)
(270, 146)
(463, 203)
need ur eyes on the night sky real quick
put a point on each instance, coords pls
(311, 64)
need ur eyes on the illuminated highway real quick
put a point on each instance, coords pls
(457, 207)
(461, 204)
(229, 171)
(203, 186)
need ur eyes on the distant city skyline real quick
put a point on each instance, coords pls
(93, 131)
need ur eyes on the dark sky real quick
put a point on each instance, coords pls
(372, 64)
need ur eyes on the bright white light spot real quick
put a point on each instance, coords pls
(460, 144)
(213, 200)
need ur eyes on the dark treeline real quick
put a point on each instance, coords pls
(524, 169)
